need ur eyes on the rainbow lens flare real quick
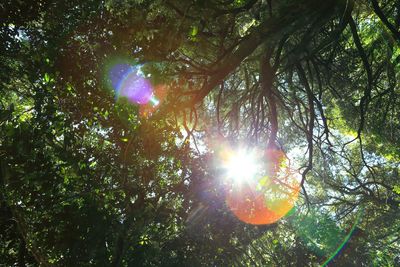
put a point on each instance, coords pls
(262, 188)
(321, 233)
(128, 81)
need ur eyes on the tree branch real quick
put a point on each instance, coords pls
(378, 11)
(268, 30)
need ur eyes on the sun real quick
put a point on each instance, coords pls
(261, 187)
(241, 165)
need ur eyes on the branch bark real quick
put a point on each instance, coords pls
(266, 77)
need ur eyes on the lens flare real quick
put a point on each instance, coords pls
(241, 166)
(128, 81)
(159, 95)
(344, 242)
(262, 188)
(321, 233)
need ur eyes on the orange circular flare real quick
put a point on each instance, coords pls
(275, 160)
(268, 199)
(249, 206)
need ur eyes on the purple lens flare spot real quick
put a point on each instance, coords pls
(136, 89)
(128, 82)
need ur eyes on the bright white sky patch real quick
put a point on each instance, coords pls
(241, 166)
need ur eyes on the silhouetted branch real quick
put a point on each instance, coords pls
(378, 11)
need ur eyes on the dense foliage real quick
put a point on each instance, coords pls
(90, 180)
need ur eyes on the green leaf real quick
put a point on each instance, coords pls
(194, 31)
(396, 189)
(46, 77)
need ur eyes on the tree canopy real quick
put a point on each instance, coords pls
(200, 133)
